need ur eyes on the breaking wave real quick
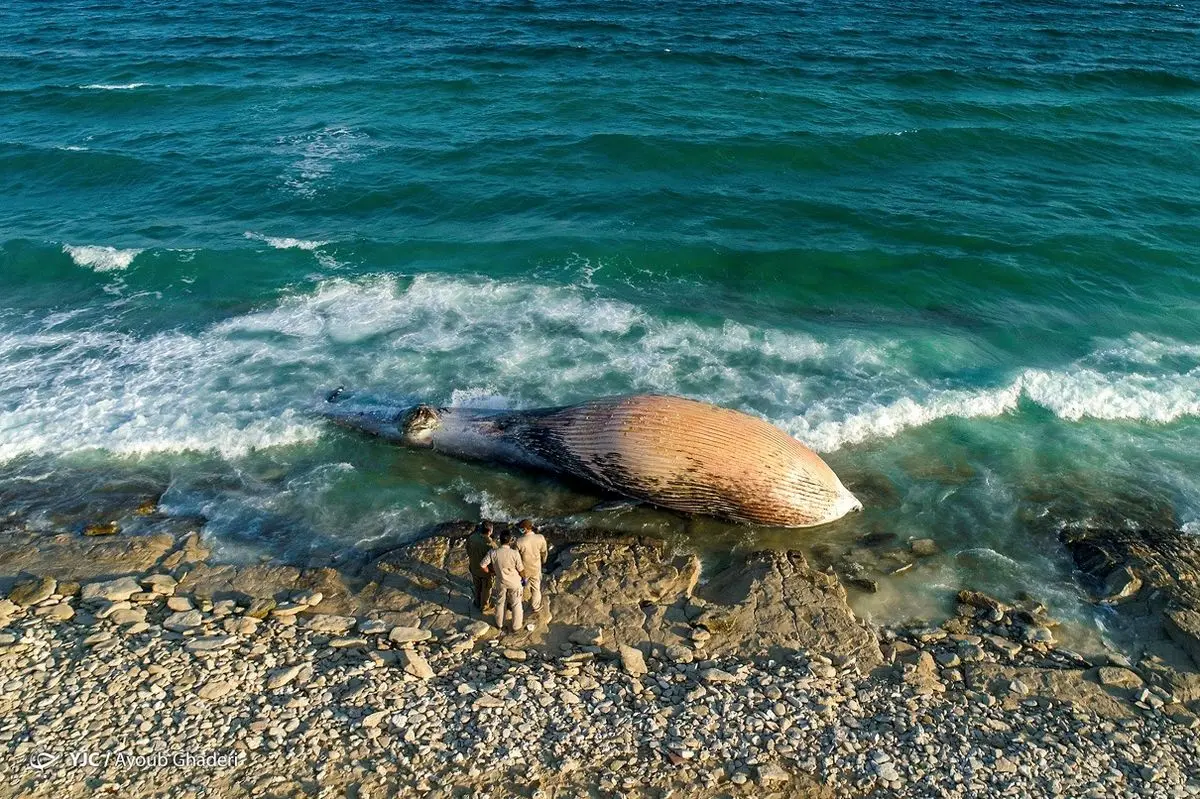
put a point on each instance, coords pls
(245, 383)
(100, 258)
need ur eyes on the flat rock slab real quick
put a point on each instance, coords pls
(603, 589)
(1063, 685)
(775, 599)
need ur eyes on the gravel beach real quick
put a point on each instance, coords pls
(150, 684)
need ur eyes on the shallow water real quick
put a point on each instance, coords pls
(952, 246)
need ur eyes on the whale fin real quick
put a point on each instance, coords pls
(614, 505)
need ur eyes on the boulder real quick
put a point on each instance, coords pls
(632, 661)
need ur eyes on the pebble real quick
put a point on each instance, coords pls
(370, 719)
(414, 664)
(372, 626)
(346, 643)
(632, 661)
(59, 611)
(282, 677)
(123, 618)
(185, 620)
(769, 773)
(210, 643)
(112, 590)
(259, 608)
(215, 689)
(716, 675)
(329, 623)
(309, 598)
(163, 584)
(242, 625)
(407, 635)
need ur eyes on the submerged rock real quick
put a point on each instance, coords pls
(1152, 577)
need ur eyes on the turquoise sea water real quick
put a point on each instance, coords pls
(954, 246)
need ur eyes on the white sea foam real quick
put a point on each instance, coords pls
(319, 152)
(245, 383)
(114, 86)
(285, 243)
(100, 258)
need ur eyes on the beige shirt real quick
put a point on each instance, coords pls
(505, 563)
(534, 552)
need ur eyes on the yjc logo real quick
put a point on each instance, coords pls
(43, 760)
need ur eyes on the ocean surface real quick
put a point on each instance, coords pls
(954, 246)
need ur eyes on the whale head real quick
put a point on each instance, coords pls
(410, 425)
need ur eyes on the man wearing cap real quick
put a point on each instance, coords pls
(479, 544)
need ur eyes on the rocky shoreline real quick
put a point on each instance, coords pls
(136, 666)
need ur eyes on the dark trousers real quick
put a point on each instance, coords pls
(481, 589)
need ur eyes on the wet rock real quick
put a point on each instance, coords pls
(924, 547)
(864, 584)
(101, 529)
(987, 607)
(31, 592)
(1120, 584)
(1152, 574)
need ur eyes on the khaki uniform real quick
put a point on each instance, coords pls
(478, 546)
(506, 563)
(534, 551)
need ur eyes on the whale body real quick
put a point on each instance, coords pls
(674, 452)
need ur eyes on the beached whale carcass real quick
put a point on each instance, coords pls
(678, 453)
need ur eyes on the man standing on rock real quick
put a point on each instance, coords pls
(479, 544)
(533, 549)
(505, 562)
